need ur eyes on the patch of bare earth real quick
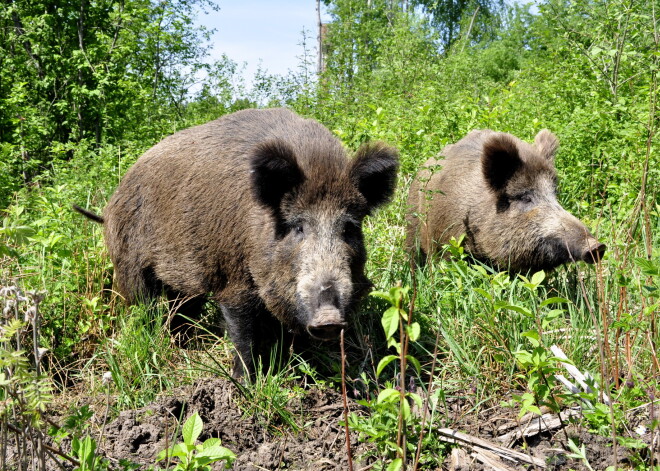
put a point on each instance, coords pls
(139, 435)
(485, 438)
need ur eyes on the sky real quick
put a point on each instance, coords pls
(262, 31)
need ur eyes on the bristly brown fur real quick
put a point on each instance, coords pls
(501, 193)
(254, 208)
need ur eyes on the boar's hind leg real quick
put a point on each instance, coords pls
(182, 310)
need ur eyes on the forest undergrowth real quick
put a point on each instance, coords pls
(454, 335)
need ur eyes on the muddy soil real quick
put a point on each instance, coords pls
(320, 443)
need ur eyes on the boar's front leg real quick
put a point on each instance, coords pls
(240, 325)
(255, 334)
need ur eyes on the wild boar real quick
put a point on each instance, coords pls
(501, 193)
(261, 208)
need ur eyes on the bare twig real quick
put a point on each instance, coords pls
(463, 439)
(343, 395)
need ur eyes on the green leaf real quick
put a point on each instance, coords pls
(217, 453)
(533, 336)
(395, 465)
(484, 293)
(414, 362)
(538, 277)
(405, 410)
(417, 399)
(519, 309)
(211, 442)
(384, 362)
(388, 395)
(192, 429)
(649, 267)
(382, 295)
(555, 300)
(390, 321)
(413, 331)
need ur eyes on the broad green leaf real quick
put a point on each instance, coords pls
(382, 295)
(217, 452)
(395, 465)
(386, 360)
(555, 300)
(414, 362)
(390, 321)
(211, 442)
(405, 410)
(417, 399)
(192, 428)
(387, 395)
(413, 331)
(649, 267)
(533, 337)
(484, 293)
(538, 277)
(519, 309)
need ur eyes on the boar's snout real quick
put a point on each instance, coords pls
(594, 252)
(328, 319)
(327, 323)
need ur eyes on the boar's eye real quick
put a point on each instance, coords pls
(350, 231)
(525, 197)
(297, 229)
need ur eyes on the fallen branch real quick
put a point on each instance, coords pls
(577, 374)
(538, 424)
(491, 460)
(478, 445)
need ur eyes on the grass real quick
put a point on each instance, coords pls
(474, 323)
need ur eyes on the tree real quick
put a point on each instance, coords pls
(92, 70)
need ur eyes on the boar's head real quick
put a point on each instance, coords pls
(525, 227)
(311, 239)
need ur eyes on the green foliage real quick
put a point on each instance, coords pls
(82, 95)
(196, 457)
(85, 451)
(391, 424)
(76, 74)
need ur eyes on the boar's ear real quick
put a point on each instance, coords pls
(500, 160)
(274, 173)
(373, 171)
(547, 144)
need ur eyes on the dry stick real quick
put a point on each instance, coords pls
(59, 453)
(343, 395)
(36, 325)
(467, 36)
(426, 402)
(601, 353)
(435, 353)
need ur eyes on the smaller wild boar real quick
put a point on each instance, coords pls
(501, 193)
(261, 208)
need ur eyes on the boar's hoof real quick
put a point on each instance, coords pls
(594, 253)
(327, 324)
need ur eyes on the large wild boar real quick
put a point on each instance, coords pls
(261, 208)
(501, 193)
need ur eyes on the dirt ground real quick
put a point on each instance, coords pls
(139, 435)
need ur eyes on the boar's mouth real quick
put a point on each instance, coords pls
(594, 253)
(326, 324)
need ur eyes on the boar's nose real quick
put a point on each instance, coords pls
(328, 319)
(328, 295)
(594, 252)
